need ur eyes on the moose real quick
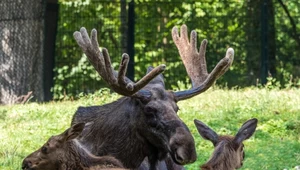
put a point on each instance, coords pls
(143, 124)
(64, 152)
(229, 150)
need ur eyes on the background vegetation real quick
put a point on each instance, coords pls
(275, 144)
(232, 23)
(263, 33)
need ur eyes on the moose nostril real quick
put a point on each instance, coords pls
(179, 159)
(26, 164)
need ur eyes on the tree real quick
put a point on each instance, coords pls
(21, 50)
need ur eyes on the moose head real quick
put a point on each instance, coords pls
(64, 152)
(144, 123)
(229, 150)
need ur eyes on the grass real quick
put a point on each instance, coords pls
(274, 146)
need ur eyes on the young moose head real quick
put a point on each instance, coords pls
(229, 153)
(145, 123)
(62, 152)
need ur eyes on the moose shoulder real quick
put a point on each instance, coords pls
(144, 123)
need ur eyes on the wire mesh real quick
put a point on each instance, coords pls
(265, 38)
(21, 35)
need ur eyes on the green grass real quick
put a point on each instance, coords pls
(274, 146)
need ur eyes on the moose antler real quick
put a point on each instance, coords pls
(101, 62)
(195, 63)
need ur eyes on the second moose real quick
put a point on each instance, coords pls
(63, 152)
(229, 150)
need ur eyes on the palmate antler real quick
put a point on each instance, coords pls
(193, 60)
(195, 63)
(101, 62)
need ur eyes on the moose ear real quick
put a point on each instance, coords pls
(206, 132)
(246, 131)
(74, 131)
(159, 79)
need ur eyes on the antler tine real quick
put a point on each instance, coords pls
(122, 72)
(101, 62)
(148, 77)
(195, 62)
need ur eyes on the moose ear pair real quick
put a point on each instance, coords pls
(245, 132)
(228, 152)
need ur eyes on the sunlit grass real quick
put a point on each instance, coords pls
(275, 145)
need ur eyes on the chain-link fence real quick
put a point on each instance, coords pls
(74, 73)
(259, 31)
(264, 34)
(21, 50)
(148, 43)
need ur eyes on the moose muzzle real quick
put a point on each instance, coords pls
(182, 144)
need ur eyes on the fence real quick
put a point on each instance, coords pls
(264, 35)
(21, 48)
(252, 28)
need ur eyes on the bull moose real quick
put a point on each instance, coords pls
(229, 150)
(143, 124)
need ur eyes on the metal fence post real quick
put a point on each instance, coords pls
(130, 47)
(51, 20)
(264, 42)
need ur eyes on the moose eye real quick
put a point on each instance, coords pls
(44, 150)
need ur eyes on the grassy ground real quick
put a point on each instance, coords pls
(274, 146)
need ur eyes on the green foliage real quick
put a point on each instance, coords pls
(223, 23)
(275, 144)
(286, 82)
(207, 17)
(288, 49)
(83, 68)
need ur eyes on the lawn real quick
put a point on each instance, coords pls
(274, 146)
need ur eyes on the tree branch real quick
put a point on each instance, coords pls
(294, 28)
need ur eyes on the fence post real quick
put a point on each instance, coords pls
(130, 44)
(51, 19)
(264, 42)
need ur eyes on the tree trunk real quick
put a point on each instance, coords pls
(260, 44)
(272, 39)
(253, 43)
(21, 50)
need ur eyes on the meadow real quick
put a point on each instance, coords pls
(274, 146)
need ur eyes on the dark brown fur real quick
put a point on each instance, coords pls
(63, 152)
(131, 129)
(228, 153)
